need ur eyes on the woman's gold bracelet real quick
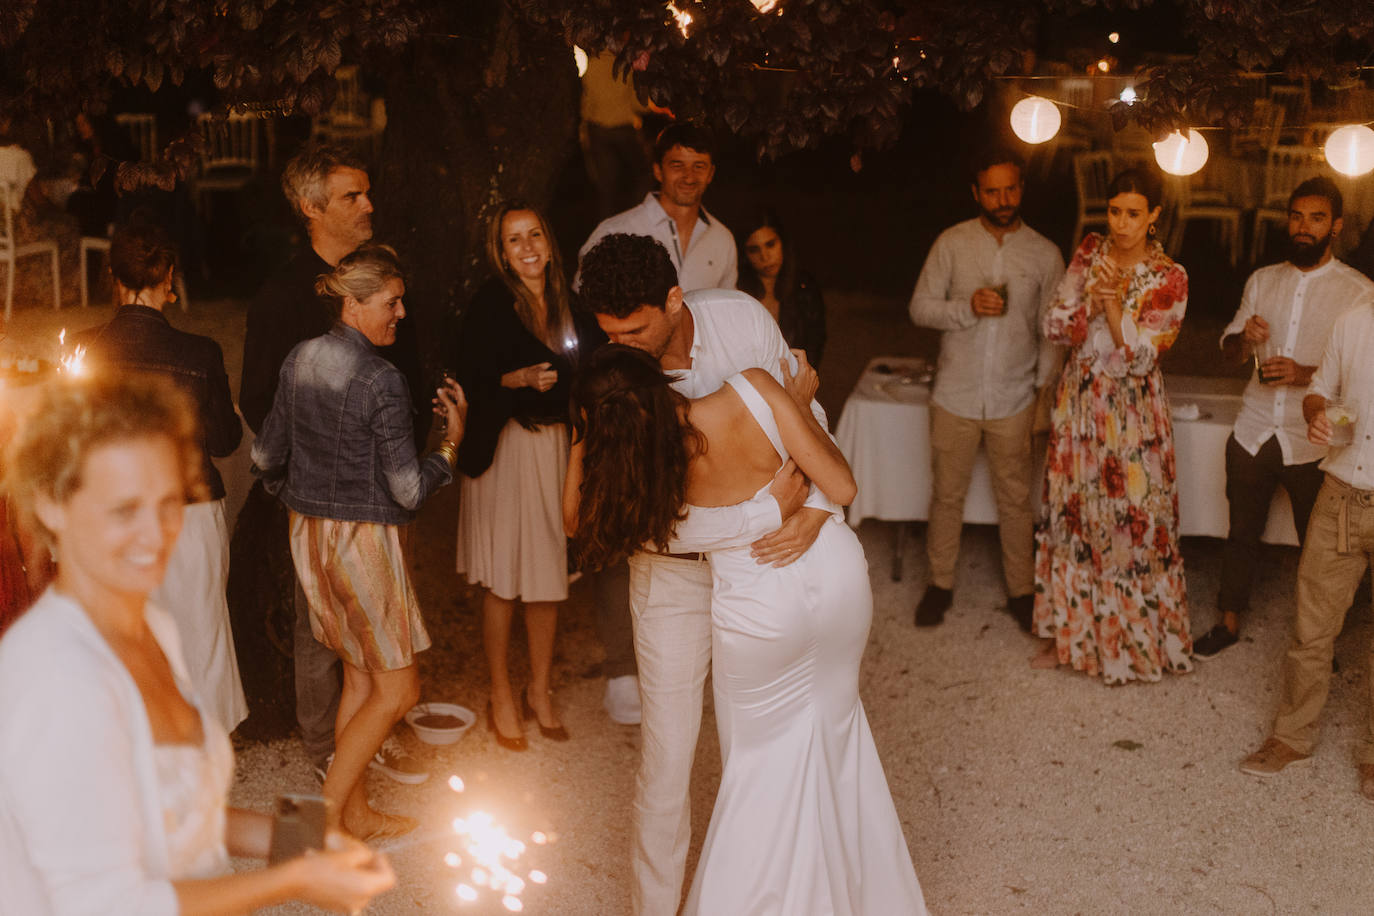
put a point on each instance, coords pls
(449, 452)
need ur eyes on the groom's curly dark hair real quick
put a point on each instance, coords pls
(624, 272)
(636, 449)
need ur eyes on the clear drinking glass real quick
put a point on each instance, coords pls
(1341, 413)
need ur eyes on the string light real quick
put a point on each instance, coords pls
(1128, 95)
(1350, 150)
(1178, 154)
(1035, 119)
(765, 6)
(684, 18)
(1114, 37)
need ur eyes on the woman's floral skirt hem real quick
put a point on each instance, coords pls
(1125, 627)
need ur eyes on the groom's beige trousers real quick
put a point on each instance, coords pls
(670, 601)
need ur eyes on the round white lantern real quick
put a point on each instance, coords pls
(1180, 155)
(1034, 119)
(1350, 149)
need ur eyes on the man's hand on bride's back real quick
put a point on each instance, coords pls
(790, 488)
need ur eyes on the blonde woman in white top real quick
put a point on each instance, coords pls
(112, 780)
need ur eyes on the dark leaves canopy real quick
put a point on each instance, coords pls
(782, 79)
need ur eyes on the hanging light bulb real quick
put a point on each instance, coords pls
(764, 6)
(1181, 155)
(1350, 149)
(1035, 119)
(1128, 95)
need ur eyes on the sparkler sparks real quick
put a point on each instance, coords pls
(73, 363)
(492, 853)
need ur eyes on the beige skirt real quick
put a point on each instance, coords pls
(510, 521)
(362, 604)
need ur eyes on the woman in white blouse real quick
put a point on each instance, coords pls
(112, 779)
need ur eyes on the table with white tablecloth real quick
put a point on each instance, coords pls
(884, 432)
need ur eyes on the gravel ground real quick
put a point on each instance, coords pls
(1020, 791)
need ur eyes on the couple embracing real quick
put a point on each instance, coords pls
(696, 440)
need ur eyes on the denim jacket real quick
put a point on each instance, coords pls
(337, 443)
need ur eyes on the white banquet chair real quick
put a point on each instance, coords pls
(1285, 168)
(1092, 175)
(11, 193)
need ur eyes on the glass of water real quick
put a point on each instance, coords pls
(1341, 413)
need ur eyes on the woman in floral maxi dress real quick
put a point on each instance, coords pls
(1110, 597)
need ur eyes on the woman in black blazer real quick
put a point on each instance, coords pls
(514, 357)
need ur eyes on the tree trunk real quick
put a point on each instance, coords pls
(480, 109)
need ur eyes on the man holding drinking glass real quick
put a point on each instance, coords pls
(1285, 317)
(1338, 549)
(986, 283)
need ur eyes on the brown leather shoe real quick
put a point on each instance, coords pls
(1273, 755)
(1367, 782)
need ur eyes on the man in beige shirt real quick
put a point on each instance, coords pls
(986, 283)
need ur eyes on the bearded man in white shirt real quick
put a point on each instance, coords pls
(1285, 317)
(985, 284)
(1339, 408)
(701, 338)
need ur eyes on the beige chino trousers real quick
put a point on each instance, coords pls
(954, 442)
(1336, 551)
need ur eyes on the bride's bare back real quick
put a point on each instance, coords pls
(738, 460)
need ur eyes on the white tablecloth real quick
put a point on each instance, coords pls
(884, 432)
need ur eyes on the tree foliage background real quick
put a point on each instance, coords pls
(482, 95)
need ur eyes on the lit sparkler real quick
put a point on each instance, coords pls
(73, 363)
(490, 855)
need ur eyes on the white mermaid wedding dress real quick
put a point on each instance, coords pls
(804, 822)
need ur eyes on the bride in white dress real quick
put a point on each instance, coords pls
(803, 822)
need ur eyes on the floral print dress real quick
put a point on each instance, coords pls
(1109, 585)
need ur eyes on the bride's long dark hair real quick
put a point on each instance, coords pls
(637, 446)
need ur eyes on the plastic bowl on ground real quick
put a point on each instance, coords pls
(440, 723)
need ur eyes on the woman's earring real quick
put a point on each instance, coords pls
(1152, 229)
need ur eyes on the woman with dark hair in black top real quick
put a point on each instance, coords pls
(769, 271)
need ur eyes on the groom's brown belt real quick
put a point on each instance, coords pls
(698, 556)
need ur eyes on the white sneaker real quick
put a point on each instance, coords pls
(622, 699)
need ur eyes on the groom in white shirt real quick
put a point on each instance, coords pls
(701, 338)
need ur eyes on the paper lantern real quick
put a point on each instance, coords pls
(1034, 119)
(1350, 149)
(1180, 155)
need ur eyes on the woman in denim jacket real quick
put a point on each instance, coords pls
(337, 448)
